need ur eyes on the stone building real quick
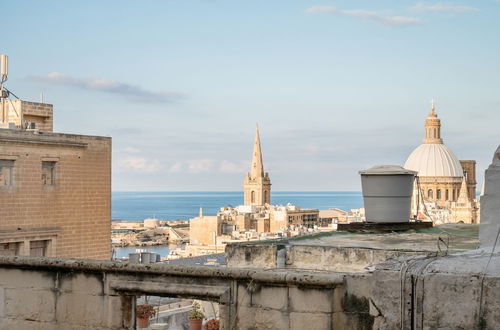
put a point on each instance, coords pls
(257, 185)
(441, 175)
(55, 189)
(256, 217)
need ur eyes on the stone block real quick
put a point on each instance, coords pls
(81, 309)
(271, 297)
(245, 318)
(271, 320)
(20, 278)
(30, 305)
(81, 283)
(310, 300)
(310, 321)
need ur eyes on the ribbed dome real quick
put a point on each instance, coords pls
(434, 160)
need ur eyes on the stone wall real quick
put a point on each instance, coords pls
(41, 114)
(453, 292)
(73, 214)
(317, 257)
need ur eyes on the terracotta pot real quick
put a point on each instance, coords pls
(195, 324)
(142, 322)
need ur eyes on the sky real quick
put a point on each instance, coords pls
(335, 86)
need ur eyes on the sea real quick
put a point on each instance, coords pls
(185, 205)
(130, 206)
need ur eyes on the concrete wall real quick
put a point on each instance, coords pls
(74, 213)
(41, 114)
(203, 229)
(314, 257)
(454, 292)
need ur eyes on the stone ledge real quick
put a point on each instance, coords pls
(294, 277)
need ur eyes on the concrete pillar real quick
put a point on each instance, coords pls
(490, 206)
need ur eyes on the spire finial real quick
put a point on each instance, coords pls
(433, 106)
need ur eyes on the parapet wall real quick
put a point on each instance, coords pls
(453, 292)
(314, 257)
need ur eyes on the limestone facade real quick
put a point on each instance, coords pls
(32, 116)
(55, 190)
(441, 176)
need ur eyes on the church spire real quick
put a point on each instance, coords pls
(433, 127)
(257, 185)
(257, 169)
(463, 196)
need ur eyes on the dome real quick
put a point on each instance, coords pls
(434, 160)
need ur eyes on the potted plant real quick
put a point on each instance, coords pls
(195, 317)
(143, 314)
(212, 324)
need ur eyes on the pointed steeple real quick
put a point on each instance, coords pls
(257, 169)
(463, 196)
(257, 185)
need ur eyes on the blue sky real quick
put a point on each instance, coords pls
(335, 86)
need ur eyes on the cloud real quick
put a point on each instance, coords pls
(140, 164)
(132, 150)
(369, 15)
(229, 167)
(132, 92)
(176, 168)
(442, 8)
(199, 165)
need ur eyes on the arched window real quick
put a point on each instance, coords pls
(447, 194)
(435, 133)
(252, 197)
(438, 194)
(430, 194)
(454, 194)
(265, 197)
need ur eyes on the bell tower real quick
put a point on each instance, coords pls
(433, 127)
(257, 185)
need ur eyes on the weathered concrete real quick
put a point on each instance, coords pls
(452, 292)
(490, 206)
(351, 252)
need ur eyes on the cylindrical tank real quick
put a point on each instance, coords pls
(145, 258)
(133, 258)
(387, 191)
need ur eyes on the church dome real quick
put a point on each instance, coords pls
(434, 160)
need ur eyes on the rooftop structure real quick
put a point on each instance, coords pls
(55, 189)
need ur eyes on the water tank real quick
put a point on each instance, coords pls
(146, 258)
(387, 191)
(134, 258)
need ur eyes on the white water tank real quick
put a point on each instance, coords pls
(387, 191)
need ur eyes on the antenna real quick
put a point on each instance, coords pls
(4, 72)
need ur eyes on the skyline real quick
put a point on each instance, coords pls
(335, 86)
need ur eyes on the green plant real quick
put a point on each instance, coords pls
(196, 313)
(145, 311)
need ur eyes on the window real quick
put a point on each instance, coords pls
(48, 173)
(430, 194)
(38, 248)
(265, 196)
(252, 197)
(9, 249)
(438, 194)
(6, 172)
(447, 194)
